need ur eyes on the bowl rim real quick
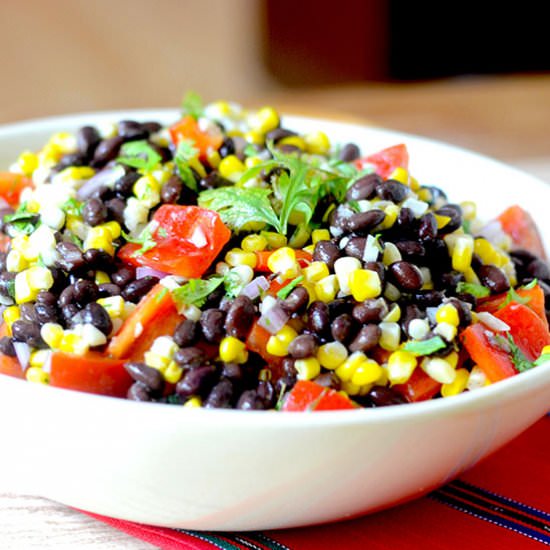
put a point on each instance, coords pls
(447, 405)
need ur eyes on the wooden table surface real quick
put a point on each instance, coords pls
(507, 118)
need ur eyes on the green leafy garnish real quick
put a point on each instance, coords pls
(281, 398)
(139, 154)
(72, 207)
(185, 152)
(250, 150)
(513, 296)
(542, 359)
(287, 289)
(425, 347)
(145, 239)
(195, 291)
(192, 105)
(518, 358)
(530, 285)
(467, 226)
(479, 291)
(22, 220)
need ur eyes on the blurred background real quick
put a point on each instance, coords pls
(472, 73)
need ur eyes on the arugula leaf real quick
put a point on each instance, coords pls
(184, 153)
(139, 154)
(518, 358)
(287, 289)
(238, 206)
(425, 347)
(145, 239)
(196, 291)
(192, 105)
(479, 291)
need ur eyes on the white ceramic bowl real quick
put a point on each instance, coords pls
(235, 470)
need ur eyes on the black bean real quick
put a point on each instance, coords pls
(304, 345)
(45, 313)
(454, 212)
(364, 188)
(289, 373)
(381, 396)
(47, 298)
(190, 357)
(3, 257)
(412, 311)
(7, 288)
(411, 250)
(405, 220)
(213, 181)
(151, 127)
(427, 227)
(60, 280)
(150, 377)
(96, 315)
(87, 139)
(124, 276)
(187, 333)
(171, 190)
(94, 212)
(250, 401)
(378, 268)
(27, 313)
(437, 195)
(339, 306)
(525, 256)
(349, 152)
(115, 209)
(85, 292)
(26, 331)
(72, 159)
(493, 278)
(106, 290)
(240, 317)
(136, 290)
(124, 186)
(326, 252)
(6, 346)
(106, 151)
(212, 324)
(226, 148)
(296, 301)
(97, 258)
(363, 222)
(232, 371)
(450, 279)
(131, 130)
(428, 298)
(366, 339)
(288, 149)
(468, 299)
(70, 256)
(370, 311)
(69, 313)
(340, 215)
(318, 318)
(266, 391)
(328, 380)
(355, 247)
(196, 381)
(464, 311)
(539, 269)
(220, 396)
(343, 327)
(278, 134)
(139, 392)
(405, 275)
(437, 255)
(392, 190)
(67, 296)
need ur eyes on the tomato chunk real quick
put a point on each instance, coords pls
(203, 140)
(309, 396)
(521, 227)
(257, 342)
(92, 373)
(419, 387)
(9, 365)
(188, 239)
(386, 161)
(11, 186)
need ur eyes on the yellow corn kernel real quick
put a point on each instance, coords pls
(232, 350)
(446, 330)
(52, 334)
(383, 379)
(250, 162)
(39, 357)
(172, 373)
(213, 158)
(393, 315)
(390, 336)
(462, 253)
(327, 288)
(310, 287)
(486, 251)
(441, 220)
(231, 168)
(113, 228)
(364, 284)
(469, 210)
(458, 385)
(254, 243)
(193, 402)
(452, 359)
(15, 261)
(114, 305)
(317, 143)
(264, 375)
(278, 344)
(196, 164)
(349, 388)
(27, 163)
(401, 175)
(367, 372)
(156, 361)
(10, 315)
(255, 137)
(471, 277)
(545, 350)
(447, 313)
(283, 261)
(147, 190)
(274, 240)
(349, 366)
(100, 238)
(37, 375)
(307, 369)
(320, 235)
(73, 343)
(401, 365)
(424, 194)
(295, 141)
(265, 120)
(391, 254)
(101, 278)
(438, 369)
(310, 249)
(23, 290)
(332, 355)
(236, 257)
(315, 271)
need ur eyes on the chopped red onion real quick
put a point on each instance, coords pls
(274, 319)
(492, 322)
(23, 352)
(149, 271)
(104, 178)
(493, 232)
(254, 288)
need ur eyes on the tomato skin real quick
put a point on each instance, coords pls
(9, 365)
(188, 128)
(92, 373)
(188, 240)
(419, 387)
(256, 341)
(11, 186)
(386, 160)
(309, 396)
(521, 227)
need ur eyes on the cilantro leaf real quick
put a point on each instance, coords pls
(184, 153)
(196, 291)
(287, 289)
(425, 347)
(72, 207)
(145, 239)
(238, 206)
(192, 105)
(518, 358)
(513, 296)
(139, 154)
(250, 150)
(545, 357)
(479, 291)
(532, 284)
(22, 221)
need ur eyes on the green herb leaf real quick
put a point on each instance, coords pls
(184, 153)
(192, 105)
(145, 239)
(518, 358)
(250, 150)
(196, 291)
(479, 291)
(467, 226)
(139, 154)
(542, 359)
(425, 347)
(513, 296)
(281, 398)
(72, 207)
(233, 284)
(238, 206)
(287, 289)
(530, 285)
(22, 221)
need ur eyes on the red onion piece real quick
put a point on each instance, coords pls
(104, 178)
(492, 322)
(23, 352)
(149, 271)
(274, 319)
(255, 287)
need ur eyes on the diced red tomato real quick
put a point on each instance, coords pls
(386, 161)
(188, 240)
(9, 365)
(491, 359)
(188, 128)
(535, 297)
(527, 329)
(11, 186)
(304, 258)
(419, 387)
(156, 315)
(257, 342)
(92, 373)
(309, 396)
(521, 227)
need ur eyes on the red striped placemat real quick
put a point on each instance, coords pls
(504, 502)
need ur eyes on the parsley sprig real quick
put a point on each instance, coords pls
(139, 154)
